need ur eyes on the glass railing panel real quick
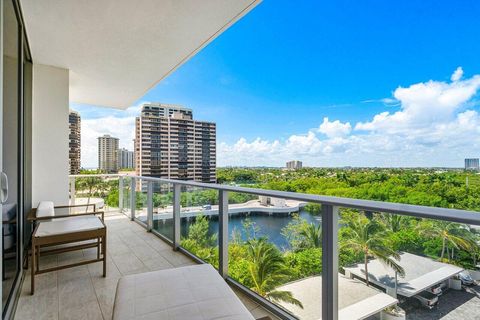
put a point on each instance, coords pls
(141, 204)
(126, 196)
(101, 191)
(163, 209)
(410, 266)
(275, 251)
(199, 222)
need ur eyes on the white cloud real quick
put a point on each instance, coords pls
(335, 128)
(120, 125)
(424, 104)
(457, 74)
(434, 126)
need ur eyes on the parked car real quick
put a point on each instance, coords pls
(437, 290)
(207, 207)
(466, 278)
(427, 299)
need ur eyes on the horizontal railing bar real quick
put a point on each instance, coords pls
(453, 215)
(100, 175)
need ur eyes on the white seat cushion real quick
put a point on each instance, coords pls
(186, 293)
(68, 225)
(45, 209)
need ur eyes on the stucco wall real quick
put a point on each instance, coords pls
(50, 134)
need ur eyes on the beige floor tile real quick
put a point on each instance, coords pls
(74, 292)
(80, 272)
(82, 311)
(127, 262)
(106, 296)
(144, 251)
(157, 263)
(175, 258)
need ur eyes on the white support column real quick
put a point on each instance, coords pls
(133, 200)
(329, 262)
(50, 109)
(176, 216)
(223, 233)
(149, 206)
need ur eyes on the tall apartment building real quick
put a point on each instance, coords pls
(170, 144)
(107, 154)
(126, 159)
(74, 121)
(472, 164)
(294, 164)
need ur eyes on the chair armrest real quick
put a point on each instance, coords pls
(70, 216)
(77, 206)
(32, 215)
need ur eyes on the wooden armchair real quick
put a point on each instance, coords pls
(67, 231)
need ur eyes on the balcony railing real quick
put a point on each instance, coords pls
(144, 200)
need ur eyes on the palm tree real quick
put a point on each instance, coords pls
(312, 235)
(452, 234)
(370, 237)
(395, 222)
(91, 185)
(267, 270)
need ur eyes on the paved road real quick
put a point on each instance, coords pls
(452, 305)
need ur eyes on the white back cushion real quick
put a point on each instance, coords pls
(45, 209)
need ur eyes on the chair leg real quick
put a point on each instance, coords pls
(32, 275)
(98, 248)
(104, 254)
(25, 264)
(38, 258)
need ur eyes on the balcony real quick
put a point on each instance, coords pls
(47, 66)
(162, 214)
(82, 292)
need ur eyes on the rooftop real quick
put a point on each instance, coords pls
(82, 292)
(356, 300)
(420, 273)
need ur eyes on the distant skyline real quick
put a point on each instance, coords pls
(337, 83)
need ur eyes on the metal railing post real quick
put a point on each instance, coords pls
(72, 191)
(223, 233)
(149, 206)
(176, 215)
(120, 194)
(132, 198)
(329, 262)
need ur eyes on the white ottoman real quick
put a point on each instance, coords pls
(190, 293)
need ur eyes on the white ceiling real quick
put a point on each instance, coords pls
(117, 50)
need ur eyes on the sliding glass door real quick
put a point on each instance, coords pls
(15, 165)
(10, 151)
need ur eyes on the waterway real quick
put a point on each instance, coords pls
(269, 226)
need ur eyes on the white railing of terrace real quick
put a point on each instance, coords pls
(329, 215)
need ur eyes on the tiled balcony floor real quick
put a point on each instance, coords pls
(82, 292)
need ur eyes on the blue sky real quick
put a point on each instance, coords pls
(287, 65)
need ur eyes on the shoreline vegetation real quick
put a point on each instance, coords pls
(258, 264)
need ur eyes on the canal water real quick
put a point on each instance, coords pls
(269, 226)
